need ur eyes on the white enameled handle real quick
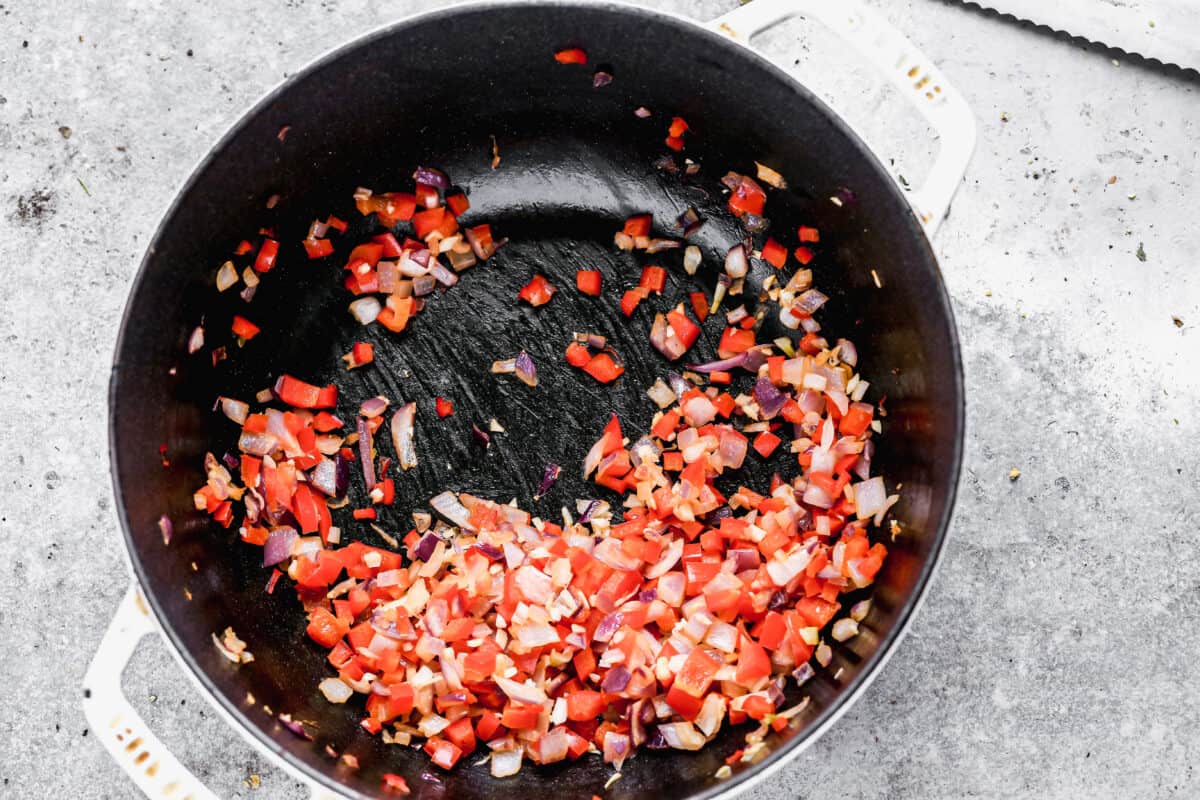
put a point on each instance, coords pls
(908, 69)
(131, 743)
(118, 726)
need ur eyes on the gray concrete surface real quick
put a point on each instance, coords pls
(1056, 655)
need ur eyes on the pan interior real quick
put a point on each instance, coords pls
(575, 161)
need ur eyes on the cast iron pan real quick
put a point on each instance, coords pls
(575, 162)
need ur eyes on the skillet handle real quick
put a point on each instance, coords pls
(118, 726)
(113, 720)
(907, 68)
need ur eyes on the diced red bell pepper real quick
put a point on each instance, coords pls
(747, 198)
(520, 717)
(803, 254)
(654, 279)
(487, 726)
(396, 314)
(765, 443)
(578, 355)
(297, 393)
(630, 300)
(753, 663)
(571, 55)
(585, 705)
(774, 253)
(395, 783)
(318, 248)
(856, 420)
(809, 234)
(324, 628)
(244, 328)
(267, 253)
(638, 225)
(444, 407)
(699, 305)
(734, 341)
(588, 281)
(603, 368)
(537, 292)
(685, 330)
(461, 734)
(458, 203)
(443, 753)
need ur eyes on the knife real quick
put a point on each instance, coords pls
(1167, 31)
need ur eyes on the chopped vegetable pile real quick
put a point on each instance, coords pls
(488, 629)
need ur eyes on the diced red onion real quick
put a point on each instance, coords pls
(423, 285)
(607, 627)
(425, 547)
(803, 673)
(869, 497)
(227, 276)
(521, 692)
(668, 345)
(460, 261)
(481, 437)
(334, 690)
(724, 365)
(847, 352)
(862, 467)
(482, 252)
(661, 394)
(166, 528)
(323, 477)
(691, 259)
(816, 496)
(402, 435)
(600, 78)
(365, 309)
(753, 223)
(844, 629)
(295, 727)
(373, 406)
(447, 504)
(525, 369)
(586, 516)
(443, 275)
(770, 400)
(736, 263)
(431, 177)
(364, 453)
(810, 301)
(667, 560)
(681, 735)
(506, 763)
(641, 112)
(659, 245)
(490, 550)
(236, 410)
(616, 747)
(278, 546)
(196, 340)
(549, 476)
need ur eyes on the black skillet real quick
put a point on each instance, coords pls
(575, 161)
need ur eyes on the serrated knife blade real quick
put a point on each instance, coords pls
(1167, 31)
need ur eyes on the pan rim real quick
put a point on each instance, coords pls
(254, 732)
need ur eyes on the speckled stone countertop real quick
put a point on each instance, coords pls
(1055, 656)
